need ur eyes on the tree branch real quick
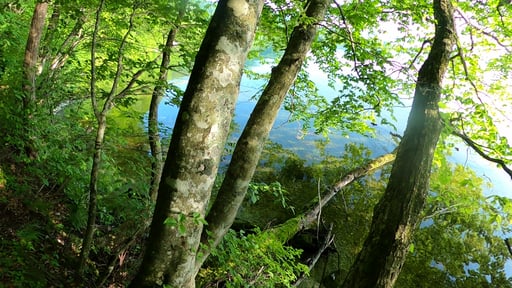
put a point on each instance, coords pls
(507, 242)
(476, 147)
(327, 243)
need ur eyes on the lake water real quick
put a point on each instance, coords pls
(289, 134)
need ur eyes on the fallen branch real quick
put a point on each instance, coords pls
(350, 177)
(288, 229)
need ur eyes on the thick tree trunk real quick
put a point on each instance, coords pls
(196, 146)
(32, 54)
(398, 212)
(158, 94)
(248, 148)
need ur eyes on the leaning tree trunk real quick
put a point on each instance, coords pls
(398, 212)
(196, 146)
(248, 148)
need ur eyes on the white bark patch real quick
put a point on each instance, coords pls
(225, 73)
(239, 7)
(199, 121)
(214, 131)
(183, 187)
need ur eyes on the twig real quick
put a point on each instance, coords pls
(319, 216)
(445, 210)
(121, 253)
(466, 71)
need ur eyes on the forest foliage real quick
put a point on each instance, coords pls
(369, 52)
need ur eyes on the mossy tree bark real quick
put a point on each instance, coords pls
(397, 214)
(248, 148)
(198, 139)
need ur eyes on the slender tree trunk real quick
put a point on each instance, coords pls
(98, 145)
(196, 146)
(93, 193)
(52, 60)
(397, 214)
(158, 93)
(248, 148)
(101, 117)
(32, 54)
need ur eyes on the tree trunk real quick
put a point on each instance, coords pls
(96, 160)
(93, 194)
(101, 117)
(158, 93)
(51, 29)
(398, 212)
(30, 61)
(248, 148)
(196, 146)
(32, 54)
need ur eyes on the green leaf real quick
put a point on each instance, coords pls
(171, 222)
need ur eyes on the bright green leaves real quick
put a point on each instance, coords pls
(478, 89)
(180, 221)
(275, 189)
(253, 259)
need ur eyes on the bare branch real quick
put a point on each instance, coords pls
(329, 239)
(348, 178)
(442, 211)
(460, 52)
(425, 42)
(476, 147)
